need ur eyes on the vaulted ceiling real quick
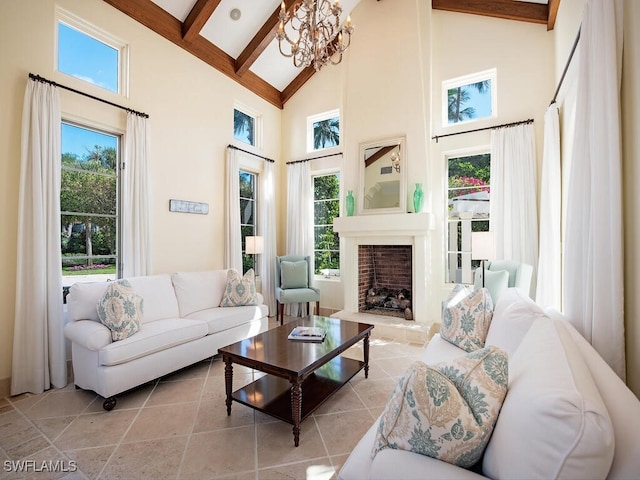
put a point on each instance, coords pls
(237, 37)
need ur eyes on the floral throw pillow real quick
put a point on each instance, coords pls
(240, 290)
(120, 309)
(466, 316)
(448, 410)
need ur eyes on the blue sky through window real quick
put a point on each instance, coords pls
(81, 141)
(86, 58)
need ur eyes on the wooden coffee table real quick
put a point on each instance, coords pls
(294, 367)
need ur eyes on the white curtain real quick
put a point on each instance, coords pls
(549, 289)
(38, 341)
(299, 214)
(267, 229)
(233, 234)
(136, 216)
(514, 218)
(593, 273)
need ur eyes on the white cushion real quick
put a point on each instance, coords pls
(159, 297)
(514, 314)
(83, 299)
(553, 422)
(219, 319)
(439, 350)
(199, 290)
(152, 337)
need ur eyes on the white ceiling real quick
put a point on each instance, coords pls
(232, 36)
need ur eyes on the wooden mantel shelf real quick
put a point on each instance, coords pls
(393, 224)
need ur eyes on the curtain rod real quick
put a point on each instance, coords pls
(250, 153)
(504, 125)
(566, 66)
(313, 158)
(38, 78)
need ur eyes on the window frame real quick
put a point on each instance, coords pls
(313, 119)
(448, 156)
(102, 36)
(119, 135)
(257, 125)
(465, 80)
(334, 274)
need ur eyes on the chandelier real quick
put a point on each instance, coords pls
(320, 40)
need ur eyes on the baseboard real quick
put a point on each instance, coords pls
(5, 387)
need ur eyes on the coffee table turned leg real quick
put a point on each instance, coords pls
(296, 410)
(228, 382)
(366, 355)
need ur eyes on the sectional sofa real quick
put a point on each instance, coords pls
(566, 414)
(182, 323)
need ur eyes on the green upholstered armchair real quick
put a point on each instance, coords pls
(293, 283)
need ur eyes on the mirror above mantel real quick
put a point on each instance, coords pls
(383, 176)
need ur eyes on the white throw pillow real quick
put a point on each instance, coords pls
(447, 410)
(120, 309)
(466, 316)
(553, 422)
(240, 290)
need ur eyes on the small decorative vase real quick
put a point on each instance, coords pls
(351, 203)
(418, 198)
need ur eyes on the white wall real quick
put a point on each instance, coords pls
(191, 109)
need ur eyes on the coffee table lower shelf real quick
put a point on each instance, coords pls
(272, 395)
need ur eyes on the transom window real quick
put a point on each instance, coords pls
(248, 213)
(323, 131)
(89, 204)
(468, 211)
(469, 98)
(90, 54)
(247, 127)
(326, 206)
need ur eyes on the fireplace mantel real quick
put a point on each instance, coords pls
(401, 224)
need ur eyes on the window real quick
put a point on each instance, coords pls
(323, 131)
(468, 203)
(247, 126)
(89, 204)
(90, 54)
(469, 98)
(248, 212)
(326, 206)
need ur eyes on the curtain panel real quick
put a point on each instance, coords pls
(233, 234)
(593, 255)
(38, 340)
(136, 216)
(267, 229)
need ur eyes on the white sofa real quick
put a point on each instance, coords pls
(182, 324)
(566, 413)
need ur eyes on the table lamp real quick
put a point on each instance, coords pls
(483, 247)
(254, 246)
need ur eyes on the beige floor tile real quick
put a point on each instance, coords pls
(342, 431)
(162, 421)
(396, 367)
(49, 455)
(320, 469)
(134, 398)
(181, 391)
(61, 403)
(338, 461)
(96, 429)
(212, 415)
(28, 448)
(53, 427)
(15, 429)
(276, 446)
(199, 370)
(222, 452)
(374, 392)
(151, 459)
(343, 400)
(91, 461)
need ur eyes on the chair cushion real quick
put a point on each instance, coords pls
(120, 309)
(294, 274)
(553, 422)
(447, 410)
(241, 290)
(466, 317)
(495, 281)
(298, 295)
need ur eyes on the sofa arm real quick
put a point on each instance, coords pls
(88, 334)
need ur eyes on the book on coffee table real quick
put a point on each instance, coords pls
(307, 334)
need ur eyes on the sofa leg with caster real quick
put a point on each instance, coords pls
(109, 403)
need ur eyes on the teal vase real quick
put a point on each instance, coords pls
(351, 203)
(418, 198)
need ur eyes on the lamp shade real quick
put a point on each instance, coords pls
(483, 246)
(255, 244)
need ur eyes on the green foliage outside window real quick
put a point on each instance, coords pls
(326, 206)
(326, 133)
(247, 216)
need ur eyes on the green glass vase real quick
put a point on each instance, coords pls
(418, 198)
(350, 204)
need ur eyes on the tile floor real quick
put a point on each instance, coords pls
(177, 427)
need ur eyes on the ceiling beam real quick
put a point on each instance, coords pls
(198, 16)
(379, 154)
(553, 13)
(509, 9)
(262, 39)
(152, 16)
(296, 84)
